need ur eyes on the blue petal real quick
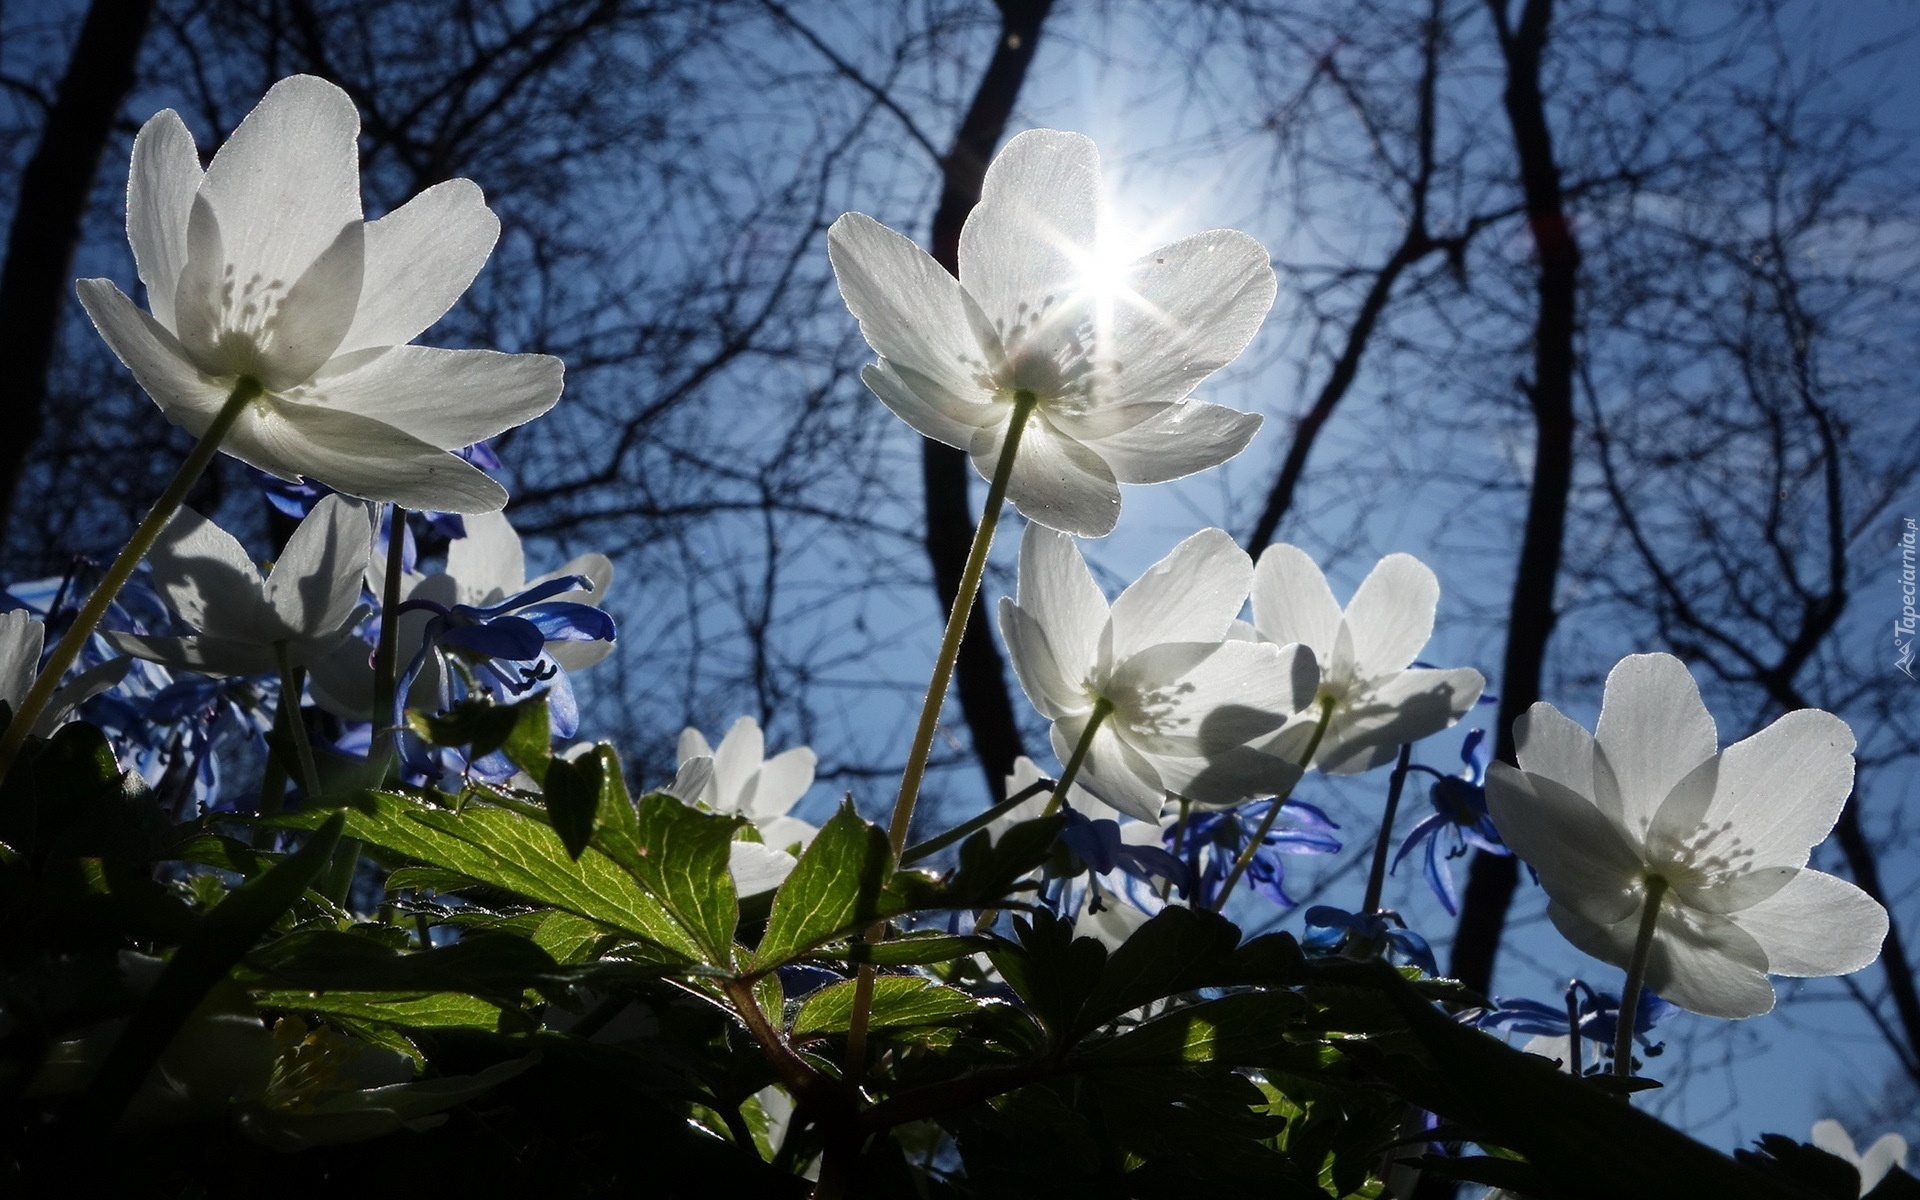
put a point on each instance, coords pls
(502, 637)
(564, 621)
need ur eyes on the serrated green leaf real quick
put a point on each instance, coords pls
(1177, 950)
(899, 1001)
(679, 855)
(516, 854)
(429, 879)
(833, 891)
(529, 745)
(408, 1010)
(498, 967)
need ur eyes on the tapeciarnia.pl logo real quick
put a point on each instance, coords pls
(1904, 625)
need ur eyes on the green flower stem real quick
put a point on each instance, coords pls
(973, 824)
(1377, 877)
(296, 729)
(897, 826)
(35, 701)
(1023, 404)
(1101, 708)
(386, 666)
(1636, 977)
(1252, 847)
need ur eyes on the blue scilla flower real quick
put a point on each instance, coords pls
(1594, 1014)
(1336, 931)
(501, 648)
(179, 733)
(1099, 846)
(1459, 815)
(1213, 840)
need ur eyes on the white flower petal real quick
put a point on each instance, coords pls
(1113, 770)
(1550, 745)
(1058, 591)
(911, 311)
(287, 181)
(1053, 690)
(1189, 309)
(205, 655)
(160, 188)
(784, 778)
(488, 564)
(945, 418)
(1886, 1153)
(359, 456)
(736, 766)
(158, 362)
(783, 832)
(445, 398)
(758, 868)
(1783, 788)
(1816, 925)
(1406, 708)
(1026, 241)
(1391, 615)
(1832, 1137)
(693, 744)
(1181, 440)
(21, 639)
(315, 314)
(1056, 482)
(1191, 595)
(421, 257)
(1228, 777)
(1292, 602)
(208, 578)
(1708, 965)
(316, 582)
(1654, 730)
(1583, 861)
(1200, 698)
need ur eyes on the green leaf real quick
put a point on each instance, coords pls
(990, 869)
(516, 854)
(476, 722)
(1178, 950)
(1247, 1029)
(919, 948)
(833, 891)
(530, 745)
(203, 960)
(408, 1010)
(680, 854)
(899, 1001)
(497, 967)
(573, 795)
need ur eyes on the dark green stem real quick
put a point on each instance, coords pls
(1245, 858)
(35, 701)
(1377, 877)
(1636, 977)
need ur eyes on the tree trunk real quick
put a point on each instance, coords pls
(979, 675)
(35, 287)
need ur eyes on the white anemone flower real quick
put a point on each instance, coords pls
(1107, 348)
(261, 268)
(1648, 804)
(1183, 700)
(744, 781)
(1883, 1156)
(1366, 651)
(308, 603)
(22, 637)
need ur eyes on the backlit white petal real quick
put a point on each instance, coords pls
(1191, 595)
(1292, 602)
(1054, 691)
(446, 398)
(1654, 730)
(207, 577)
(360, 457)
(287, 181)
(1583, 861)
(489, 563)
(1816, 925)
(1056, 481)
(420, 258)
(1187, 310)
(1783, 788)
(911, 311)
(1056, 588)
(160, 188)
(1024, 244)
(316, 582)
(1181, 440)
(1391, 615)
(158, 362)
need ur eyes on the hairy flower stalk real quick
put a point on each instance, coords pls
(1101, 709)
(1377, 876)
(244, 393)
(1636, 976)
